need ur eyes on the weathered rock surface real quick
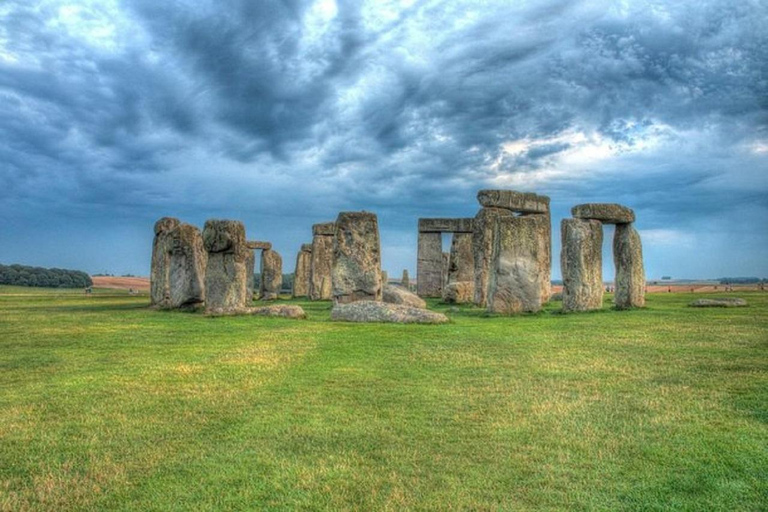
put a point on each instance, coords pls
(459, 292)
(630, 273)
(271, 275)
(482, 248)
(458, 225)
(322, 261)
(356, 270)
(374, 311)
(384, 277)
(258, 245)
(581, 263)
(250, 272)
(444, 271)
(280, 310)
(720, 302)
(520, 202)
(607, 213)
(160, 273)
(302, 273)
(394, 294)
(405, 280)
(429, 265)
(461, 269)
(187, 267)
(225, 275)
(515, 281)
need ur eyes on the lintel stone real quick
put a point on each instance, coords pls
(258, 245)
(607, 213)
(520, 202)
(324, 229)
(446, 225)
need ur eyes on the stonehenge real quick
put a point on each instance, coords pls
(271, 275)
(321, 261)
(225, 274)
(430, 275)
(581, 257)
(301, 276)
(356, 266)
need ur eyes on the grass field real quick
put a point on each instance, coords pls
(107, 405)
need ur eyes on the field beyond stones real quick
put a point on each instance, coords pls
(108, 405)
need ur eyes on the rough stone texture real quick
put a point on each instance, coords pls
(187, 267)
(545, 252)
(720, 302)
(482, 249)
(384, 277)
(444, 271)
(429, 265)
(516, 270)
(374, 311)
(259, 245)
(160, 273)
(520, 202)
(393, 294)
(405, 281)
(630, 273)
(250, 271)
(607, 213)
(581, 263)
(322, 262)
(302, 273)
(324, 229)
(446, 225)
(460, 292)
(271, 275)
(225, 274)
(282, 311)
(356, 270)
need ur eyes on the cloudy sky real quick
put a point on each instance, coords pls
(282, 113)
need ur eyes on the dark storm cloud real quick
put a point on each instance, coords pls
(259, 109)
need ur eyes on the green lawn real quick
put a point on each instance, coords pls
(108, 405)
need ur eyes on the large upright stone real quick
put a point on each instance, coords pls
(187, 267)
(429, 265)
(516, 270)
(630, 274)
(356, 271)
(302, 273)
(482, 249)
(250, 273)
(520, 202)
(160, 272)
(271, 275)
(405, 281)
(226, 290)
(444, 271)
(461, 269)
(545, 252)
(322, 261)
(581, 263)
(607, 213)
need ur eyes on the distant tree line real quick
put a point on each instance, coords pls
(741, 280)
(22, 275)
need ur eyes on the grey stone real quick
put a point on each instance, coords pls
(356, 270)
(545, 252)
(429, 265)
(720, 302)
(324, 229)
(384, 277)
(302, 273)
(281, 310)
(630, 273)
(187, 268)
(271, 275)
(259, 245)
(461, 269)
(250, 272)
(444, 271)
(459, 292)
(322, 262)
(520, 202)
(405, 281)
(225, 275)
(446, 225)
(607, 213)
(581, 263)
(393, 294)
(482, 249)
(516, 270)
(374, 311)
(160, 272)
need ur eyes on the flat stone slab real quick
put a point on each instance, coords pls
(393, 294)
(520, 202)
(373, 311)
(446, 225)
(324, 229)
(607, 213)
(720, 302)
(258, 245)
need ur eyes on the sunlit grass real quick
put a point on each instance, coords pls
(106, 404)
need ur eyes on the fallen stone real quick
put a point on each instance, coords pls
(393, 294)
(160, 272)
(720, 302)
(520, 202)
(271, 275)
(374, 311)
(280, 310)
(581, 263)
(356, 270)
(226, 273)
(630, 274)
(607, 213)
(460, 292)
(446, 225)
(187, 268)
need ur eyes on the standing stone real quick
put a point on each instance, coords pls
(384, 277)
(581, 263)
(630, 274)
(321, 261)
(545, 252)
(405, 281)
(429, 265)
(461, 269)
(250, 272)
(302, 274)
(444, 272)
(160, 273)
(187, 267)
(271, 275)
(482, 248)
(356, 271)
(225, 275)
(516, 272)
